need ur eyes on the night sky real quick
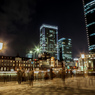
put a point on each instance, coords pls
(20, 21)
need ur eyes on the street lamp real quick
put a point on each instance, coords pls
(83, 56)
(36, 50)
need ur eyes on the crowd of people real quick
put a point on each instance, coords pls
(31, 76)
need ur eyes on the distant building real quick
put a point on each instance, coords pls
(65, 49)
(89, 13)
(76, 62)
(49, 40)
(9, 63)
(88, 63)
(29, 55)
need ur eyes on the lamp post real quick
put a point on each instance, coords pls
(36, 50)
(83, 56)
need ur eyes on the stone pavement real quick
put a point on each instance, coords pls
(72, 86)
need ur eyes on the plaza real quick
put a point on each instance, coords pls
(72, 86)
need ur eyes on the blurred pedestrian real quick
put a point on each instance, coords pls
(63, 75)
(39, 76)
(23, 76)
(54, 75)
(46, 76)
(31, 78)
(5, 78)
(10, 77)
(71, 73)
(19, 75)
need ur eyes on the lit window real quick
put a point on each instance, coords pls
(4, 68)
(11, 61)
(29, 65)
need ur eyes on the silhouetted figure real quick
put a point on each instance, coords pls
(5, 78)
(51, 74)
(71, 73)
(23, 76)
(39, 76)
(46, 77)
(10, 77)
(31, 77)
(54, 75)
(63, 75)
(19, 75)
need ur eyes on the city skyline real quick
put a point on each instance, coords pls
(49, 40)
(20, 22)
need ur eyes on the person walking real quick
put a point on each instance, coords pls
(63, 75)
(19, 75)
(46, 76)
(5, 78)
(23, 76)
(31, 78)
(71, 73)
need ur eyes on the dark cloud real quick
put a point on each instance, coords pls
(15, 18)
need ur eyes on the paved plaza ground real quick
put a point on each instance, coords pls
(72, 86)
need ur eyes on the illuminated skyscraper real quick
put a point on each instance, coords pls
(65, 49)
(49, 40)
(89, 13)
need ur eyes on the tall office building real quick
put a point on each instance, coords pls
(65, 49)
(49, 40)
(89, 13)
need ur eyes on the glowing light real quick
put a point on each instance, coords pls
(48, 26)
(90, 11)
(82, 56)
(90, 24)
(30, 51)
(1, 46)
(37, 49)
(75, 59)
(91, 47)
(92, 34)
(90, 3)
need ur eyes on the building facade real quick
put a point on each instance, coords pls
(89, 13)
(9, 63)
(88, 63)
(49, 40)
(65, 49)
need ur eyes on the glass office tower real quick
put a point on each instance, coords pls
(65, 49)
(49, 40)
(89, 12)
